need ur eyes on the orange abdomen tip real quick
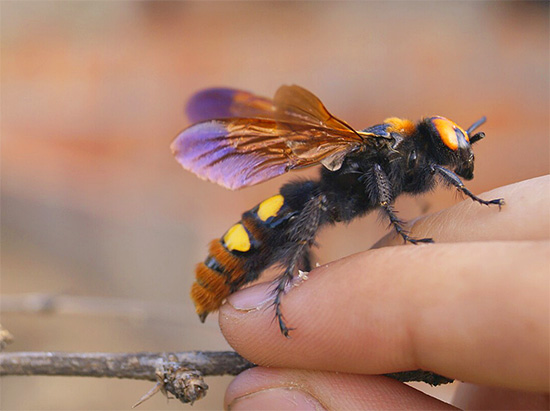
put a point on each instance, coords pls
(208, 291)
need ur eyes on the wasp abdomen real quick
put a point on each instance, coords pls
(239, 256)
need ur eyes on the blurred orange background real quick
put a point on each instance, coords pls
(94, 206)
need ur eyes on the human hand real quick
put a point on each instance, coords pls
(474, 306)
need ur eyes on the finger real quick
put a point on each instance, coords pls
(475, 397)
(476, 312)
(523, 217)
(279, 389)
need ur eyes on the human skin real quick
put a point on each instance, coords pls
(474, 306)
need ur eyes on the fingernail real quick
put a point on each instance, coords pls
(284, 398)
(251, 298)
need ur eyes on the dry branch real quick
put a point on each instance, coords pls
(140, 366)
(179, 374)
(145, 365)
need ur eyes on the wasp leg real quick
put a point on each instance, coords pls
(399, 224)
(281, 284)
(301, 234)
(453, 179)
(385, 201)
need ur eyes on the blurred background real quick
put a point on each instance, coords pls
(96, 213)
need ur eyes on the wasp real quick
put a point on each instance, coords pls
(240, 139)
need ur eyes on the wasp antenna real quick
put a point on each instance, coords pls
(476, 124)
(476, 137)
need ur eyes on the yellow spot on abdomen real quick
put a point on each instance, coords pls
(270, 207)
(237, 238)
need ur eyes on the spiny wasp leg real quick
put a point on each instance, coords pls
(281, 284)
(496, 201)
(454, 180)
(398, 225)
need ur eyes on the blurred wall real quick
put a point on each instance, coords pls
(94, 205)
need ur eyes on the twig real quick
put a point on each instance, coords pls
(180, 374)
(145, 365)
(420, 376)
(139, 366)
(177, 373)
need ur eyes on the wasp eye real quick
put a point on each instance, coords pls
(411, 161)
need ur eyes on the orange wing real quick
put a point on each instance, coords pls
(294, 130)
(294, 103)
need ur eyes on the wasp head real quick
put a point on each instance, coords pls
(450, 145)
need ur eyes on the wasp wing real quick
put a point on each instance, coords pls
(241, 152)
(295, 103)
(294, 130)
(292, 104)
(214, 103)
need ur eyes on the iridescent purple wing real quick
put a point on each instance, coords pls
(293, 132)
(241, 152)
(214, 150)
(216, 103)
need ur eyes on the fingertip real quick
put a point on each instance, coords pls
(267, 389)
(248, 323)
(274, 388)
